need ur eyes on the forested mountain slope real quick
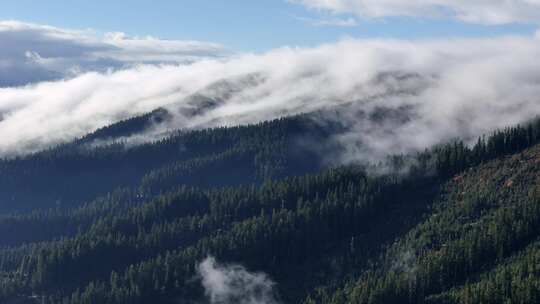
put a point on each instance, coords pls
(461, 225)
(77, 172)
(478, 243)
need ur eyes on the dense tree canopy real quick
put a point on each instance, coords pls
(111, 224)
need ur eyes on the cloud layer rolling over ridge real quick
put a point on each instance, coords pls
(436, 90)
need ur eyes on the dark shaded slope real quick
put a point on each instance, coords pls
(73, 173)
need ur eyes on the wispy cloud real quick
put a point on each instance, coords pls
(332, 22)
(473, 11)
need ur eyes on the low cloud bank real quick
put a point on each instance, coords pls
(32, 53)
(400, 96)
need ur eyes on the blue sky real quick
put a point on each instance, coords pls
(241, 25)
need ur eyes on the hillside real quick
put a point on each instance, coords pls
(75, 173)
(455, 225)
(478, 243)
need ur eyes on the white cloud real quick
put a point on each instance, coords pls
(233, 284)
(31, 53)
(431, 91)
(473, 11)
